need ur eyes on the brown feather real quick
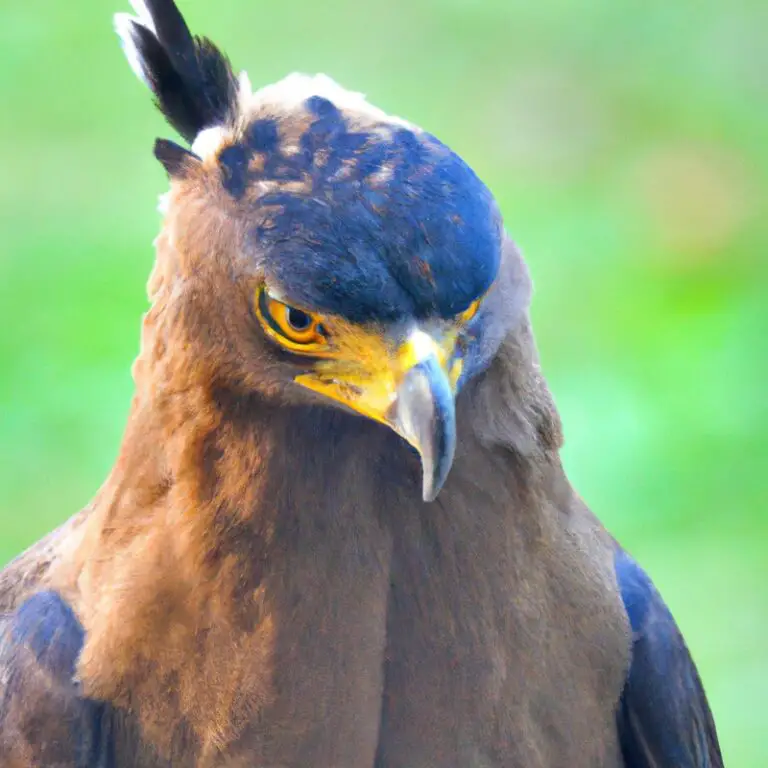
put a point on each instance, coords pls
(260, 583)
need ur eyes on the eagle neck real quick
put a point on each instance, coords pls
(229, 534)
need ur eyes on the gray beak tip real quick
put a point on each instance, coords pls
(426, 418)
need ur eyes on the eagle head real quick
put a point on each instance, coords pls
(317, 248)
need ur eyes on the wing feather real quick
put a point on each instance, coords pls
(43, 719)
(664, 718)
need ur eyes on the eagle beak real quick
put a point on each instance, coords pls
(409, 388)
(424, 411)
(425, 416)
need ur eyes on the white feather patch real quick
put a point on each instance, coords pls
(145, 17)
(209, 140)
(244, 90)
(124, 26)
(292, 91)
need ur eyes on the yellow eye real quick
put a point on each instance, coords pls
(294, 328)
(469, 312)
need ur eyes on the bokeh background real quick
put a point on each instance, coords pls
(627, 142)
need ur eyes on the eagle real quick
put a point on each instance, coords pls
(338, 533)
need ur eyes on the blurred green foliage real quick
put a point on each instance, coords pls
(627, 142)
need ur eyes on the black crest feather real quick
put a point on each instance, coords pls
(176, 160)
(192, 80)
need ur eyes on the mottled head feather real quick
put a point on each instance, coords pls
(358, 212)
(349, 210)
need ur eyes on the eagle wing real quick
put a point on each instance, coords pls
(43, 719)
(664, 719)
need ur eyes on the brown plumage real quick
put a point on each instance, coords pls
(259, 581)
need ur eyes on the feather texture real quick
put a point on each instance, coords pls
(192, 80)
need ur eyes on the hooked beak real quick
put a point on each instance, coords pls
(409, 388)
(425, 416)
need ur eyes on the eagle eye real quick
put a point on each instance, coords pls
(293, 328)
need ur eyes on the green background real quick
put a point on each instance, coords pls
(627, 142)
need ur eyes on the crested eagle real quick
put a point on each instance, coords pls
(338, 533)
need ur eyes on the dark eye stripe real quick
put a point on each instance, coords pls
(266, 314)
